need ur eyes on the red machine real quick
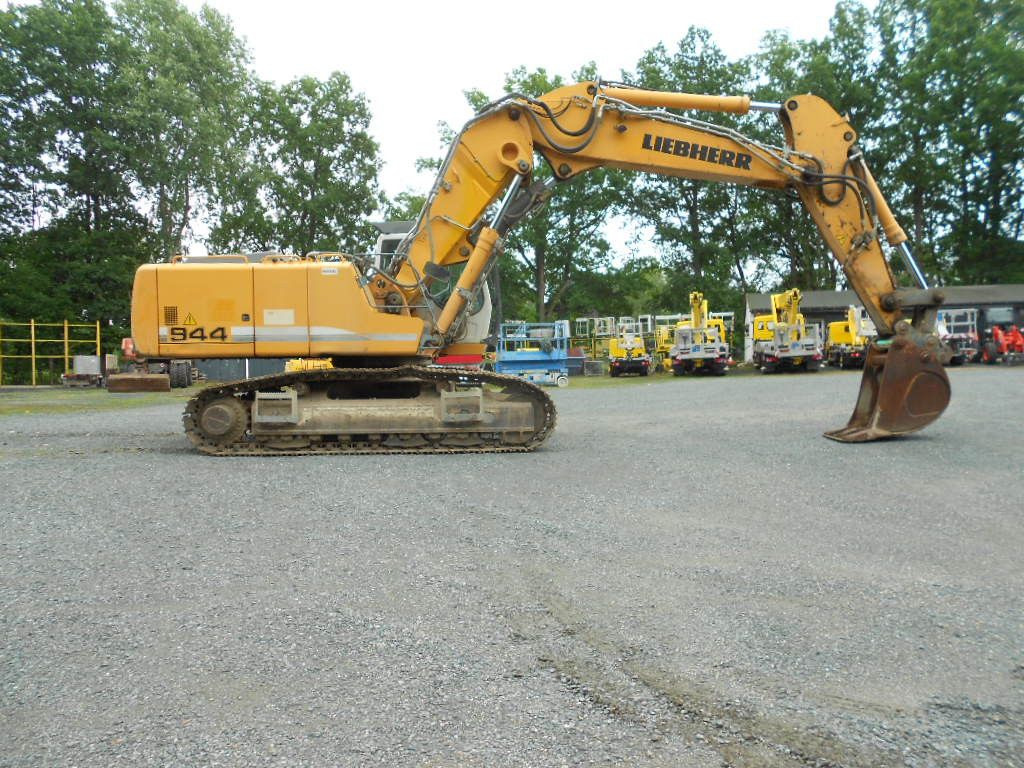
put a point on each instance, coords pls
(1007, 346)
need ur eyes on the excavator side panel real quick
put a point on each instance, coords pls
(344, 323)
(280, 308)
(145, 312)
(204, 311)
(291, 309)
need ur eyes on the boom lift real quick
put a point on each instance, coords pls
(380, 325)
(701, 343)
(782, 340)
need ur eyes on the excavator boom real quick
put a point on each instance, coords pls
(590, 125)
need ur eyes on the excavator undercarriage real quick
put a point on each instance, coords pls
(406, 409)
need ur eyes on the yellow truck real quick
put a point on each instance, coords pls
(701, 341)
(627, 352)
(846, 341)
(783, 341)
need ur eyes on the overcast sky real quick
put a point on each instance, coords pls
(413, 61)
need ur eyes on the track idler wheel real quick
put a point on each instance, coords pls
(223, 420)
(904, 388)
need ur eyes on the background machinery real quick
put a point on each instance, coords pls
(664, 340)
(976, 335)
(307, 364)
(1002, 345)
(538, 352)
(139, 374)
(783, 341)
(958, 330)
(382, 320)
(846, 341)
(592, 335)
(701, 343)
(627, 352)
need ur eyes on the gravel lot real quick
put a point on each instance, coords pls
(687, 574)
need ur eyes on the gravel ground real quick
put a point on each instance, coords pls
(687, 574)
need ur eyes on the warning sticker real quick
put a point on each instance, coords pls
(190, 319)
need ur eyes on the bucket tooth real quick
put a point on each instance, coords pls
(904, 388)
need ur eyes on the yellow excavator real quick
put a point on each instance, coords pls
(383, 321)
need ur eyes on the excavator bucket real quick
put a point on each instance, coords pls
(904, 389)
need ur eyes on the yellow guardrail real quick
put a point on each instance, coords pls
(40, 348)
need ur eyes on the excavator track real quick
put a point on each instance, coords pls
(225, 420)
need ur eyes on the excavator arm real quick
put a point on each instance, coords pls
(485, 186)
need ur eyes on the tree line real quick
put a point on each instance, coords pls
(123, 124)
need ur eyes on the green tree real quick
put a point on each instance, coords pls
(64, 272)
(186, 75)
(405, 206)
(75, 237)
(78, 156)
(954, 137)
(243, 219)
(63, 106)
(310, 174)
(17, 155)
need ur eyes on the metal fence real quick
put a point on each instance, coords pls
(31, 342)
